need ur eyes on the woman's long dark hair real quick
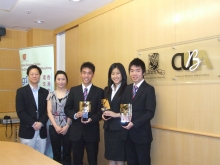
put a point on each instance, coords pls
(123, 75)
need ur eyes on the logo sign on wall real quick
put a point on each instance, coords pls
(43, 57)
(189, 62)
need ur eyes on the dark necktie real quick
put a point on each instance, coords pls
(135, 88)
(85, 93)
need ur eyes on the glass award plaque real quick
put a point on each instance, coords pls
(85, 108)
(126, 113)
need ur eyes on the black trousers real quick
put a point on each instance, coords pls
(61, 146)
(137, 154)
(78, 151)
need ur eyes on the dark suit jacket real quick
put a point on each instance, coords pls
(90, 132)
(27, 111)
(143, 109)
(113, 123)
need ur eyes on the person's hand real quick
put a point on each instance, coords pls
(128, 126)
(78, 115)
(37, 126)
(103, 117)
(64, 129)
(58, 129)
(111, 114)
(86, 122)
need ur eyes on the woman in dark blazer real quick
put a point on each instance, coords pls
(114, 146)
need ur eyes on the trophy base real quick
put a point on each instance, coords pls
(124, 123)
(84, 119)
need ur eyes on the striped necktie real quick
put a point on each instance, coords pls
(135, 88)
(85, 93)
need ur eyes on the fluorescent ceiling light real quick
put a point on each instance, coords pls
(75, 0)
(39, 21)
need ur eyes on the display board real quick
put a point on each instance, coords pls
(195, 61)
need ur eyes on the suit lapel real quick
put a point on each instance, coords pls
(116, 95)
(31, 96)
(129, 94)
(80, 93)
(91, 92)
(40, 98)
(109, 96)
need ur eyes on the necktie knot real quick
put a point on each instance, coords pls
(135, 88)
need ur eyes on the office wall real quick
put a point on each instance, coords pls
(186, 126)
(10, 68)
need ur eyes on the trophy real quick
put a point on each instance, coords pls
(105, 107)
(126, 113)
(85, 108)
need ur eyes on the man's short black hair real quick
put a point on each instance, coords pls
(32, 67)
(88, 65)
(137, 62)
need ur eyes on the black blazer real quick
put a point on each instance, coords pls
(90, 132)
(113, 123)
(26, 109)
(143, 109)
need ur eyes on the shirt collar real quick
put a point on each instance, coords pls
(88, 87)
(113, 89)
(32, 88)
(139, 84)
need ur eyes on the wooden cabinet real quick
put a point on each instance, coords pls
(14, 137)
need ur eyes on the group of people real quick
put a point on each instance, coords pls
(70, 133)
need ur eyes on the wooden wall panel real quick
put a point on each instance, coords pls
(9, 58)
(102, 41)
(7, 101)
(72, 57)
(10, 69)
(37, 37)
(165, 114)
(11, 79)
(14, 39)
(174, 148)
(152, 23)
(198, 108)
(197, 19)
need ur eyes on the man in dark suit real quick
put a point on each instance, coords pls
(137, 133)
(31, 108)
(84, 132)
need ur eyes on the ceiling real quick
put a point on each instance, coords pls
(21, 14)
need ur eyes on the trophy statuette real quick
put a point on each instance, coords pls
(105, 107)
(85, 108)
(126, 113)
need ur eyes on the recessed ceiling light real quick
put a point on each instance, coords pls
(39, 21)
(75, 0)
(28, 12)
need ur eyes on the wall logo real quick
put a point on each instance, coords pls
(24, 56)
(191, 60)
(153, 64)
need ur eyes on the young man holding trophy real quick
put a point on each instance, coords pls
(83, 106)
(137, 133)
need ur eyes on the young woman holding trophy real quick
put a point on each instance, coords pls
(114, 146)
